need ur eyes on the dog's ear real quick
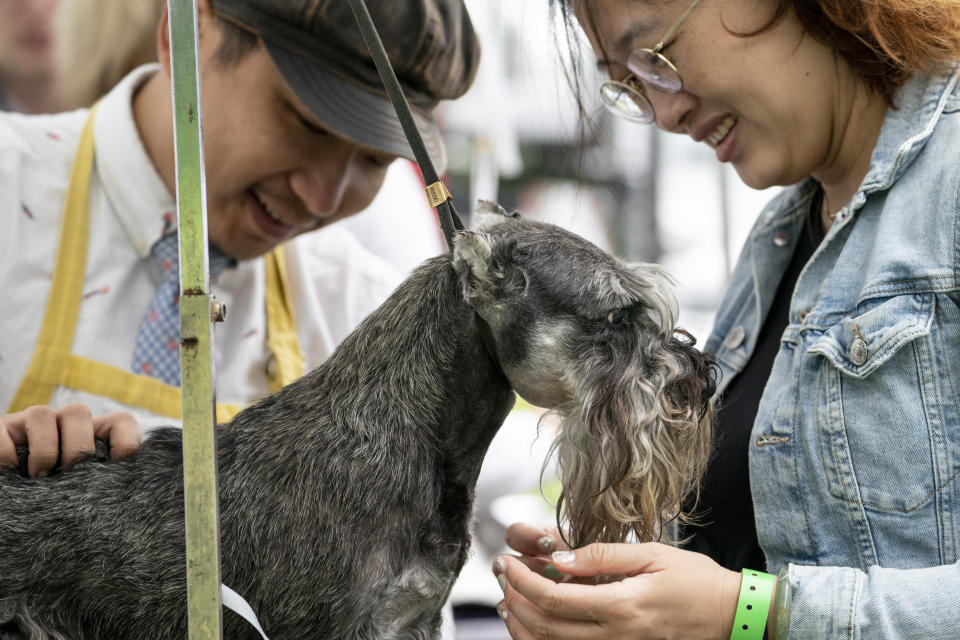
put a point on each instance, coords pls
(472, 252)
(489, 214)
(663, 307)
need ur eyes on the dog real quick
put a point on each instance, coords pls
(346, 497)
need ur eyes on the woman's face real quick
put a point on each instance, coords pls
(789, 98)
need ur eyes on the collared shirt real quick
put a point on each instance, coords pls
(334, 281)
(855, 451)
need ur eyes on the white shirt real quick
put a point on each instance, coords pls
(335, 282)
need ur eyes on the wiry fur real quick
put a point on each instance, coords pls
(346, 497)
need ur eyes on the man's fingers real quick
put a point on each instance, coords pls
(608, 559)
(120, 431)
(534, 540)
(76, 434)
(8, 449)
(42, 439)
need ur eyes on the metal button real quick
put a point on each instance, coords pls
(218, 311)
(802, 316)
(735, 338)
(858, 348)
(781, 239)
(271, 367)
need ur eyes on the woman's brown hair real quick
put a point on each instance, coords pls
(886, 41)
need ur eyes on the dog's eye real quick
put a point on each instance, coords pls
(618, 317)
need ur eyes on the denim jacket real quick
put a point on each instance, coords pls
(855, 452)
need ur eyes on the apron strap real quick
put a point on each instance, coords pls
(46, 370)
(53, 365)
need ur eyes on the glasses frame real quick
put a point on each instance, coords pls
(634, 88)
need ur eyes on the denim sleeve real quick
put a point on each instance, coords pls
(880, 604)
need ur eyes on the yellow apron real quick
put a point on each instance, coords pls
(54, 365)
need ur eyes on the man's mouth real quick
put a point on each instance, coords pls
(270, 212)
(715, 138)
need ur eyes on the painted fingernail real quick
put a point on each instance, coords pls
(499, 566)
(502, 582)
(552, 572)
(502, 611)
(546, 543)
(563, 557)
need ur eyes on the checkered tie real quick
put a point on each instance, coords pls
(157, 353)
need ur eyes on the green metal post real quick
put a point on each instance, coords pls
(196, 333)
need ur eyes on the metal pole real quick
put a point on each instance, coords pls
(196, 334)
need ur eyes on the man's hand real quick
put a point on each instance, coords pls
(65, 434)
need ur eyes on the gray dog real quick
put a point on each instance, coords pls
(346, 497)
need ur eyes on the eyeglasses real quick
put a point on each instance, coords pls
(648, 67)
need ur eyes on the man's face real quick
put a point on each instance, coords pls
(26, 41)
(272, 171)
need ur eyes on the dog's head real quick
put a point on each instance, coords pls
(579, 331)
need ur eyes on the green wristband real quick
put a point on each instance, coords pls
(753, 607)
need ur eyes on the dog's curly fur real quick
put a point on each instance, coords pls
(346, 497)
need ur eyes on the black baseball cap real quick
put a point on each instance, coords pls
(317, 46)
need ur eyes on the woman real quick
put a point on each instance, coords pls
(838, 338)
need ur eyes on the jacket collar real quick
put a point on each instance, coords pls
(906, 129)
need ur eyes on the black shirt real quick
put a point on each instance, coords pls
(725, 528)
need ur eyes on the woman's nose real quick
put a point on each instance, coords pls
(673, 110)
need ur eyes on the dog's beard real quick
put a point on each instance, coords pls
(635, 443)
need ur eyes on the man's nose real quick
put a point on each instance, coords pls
(673, 110)
(322, 182)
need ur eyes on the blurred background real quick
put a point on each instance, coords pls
(515, 139)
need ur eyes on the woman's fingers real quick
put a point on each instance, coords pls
(608, 559)
(527, 620)
(534, 540)
(571, 601)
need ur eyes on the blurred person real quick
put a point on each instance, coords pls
(28, 81)
(98, 42)
(838, 339)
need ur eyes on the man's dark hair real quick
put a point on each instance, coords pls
(236, 42)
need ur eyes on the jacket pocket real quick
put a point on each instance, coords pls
(875, 432)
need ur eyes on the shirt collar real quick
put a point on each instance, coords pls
(136, 193)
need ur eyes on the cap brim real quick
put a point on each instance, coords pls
(353, 112)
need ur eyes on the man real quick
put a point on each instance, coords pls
(298, 133)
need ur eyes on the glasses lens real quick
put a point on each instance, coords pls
(625, 102)
(654, 70)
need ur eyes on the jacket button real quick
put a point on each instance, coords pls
(781, 239)
(271, 367)
(735, 338)
(858, 351)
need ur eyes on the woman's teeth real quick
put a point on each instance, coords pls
(717, 136)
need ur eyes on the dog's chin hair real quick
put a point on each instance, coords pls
(629, 453)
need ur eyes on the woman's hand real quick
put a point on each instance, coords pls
(657, 591)
(64, 434)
